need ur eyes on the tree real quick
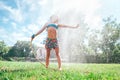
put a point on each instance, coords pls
(110, 36)
(3, 48)
(115, 57)
(20, 49)
(94, 42)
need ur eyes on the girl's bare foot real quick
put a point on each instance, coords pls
(60, 69)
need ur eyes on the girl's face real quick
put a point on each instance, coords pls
(54, 19)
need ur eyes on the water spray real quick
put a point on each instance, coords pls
(34, 54)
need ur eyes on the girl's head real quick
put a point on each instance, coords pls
(54, 19)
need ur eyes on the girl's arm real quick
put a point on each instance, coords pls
(66, 26)
(40, 31)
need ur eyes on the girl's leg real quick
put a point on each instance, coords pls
(58, 57)
(47, 57)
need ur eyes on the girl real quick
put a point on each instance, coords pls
(51, 41)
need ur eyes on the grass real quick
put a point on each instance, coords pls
(36, 71)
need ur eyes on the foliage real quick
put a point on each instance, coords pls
(20, 49)
(115, 57)
(3, 48)
(110, 36)
(94, 41)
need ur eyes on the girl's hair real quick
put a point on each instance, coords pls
(54, 18)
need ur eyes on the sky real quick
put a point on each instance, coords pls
(19, 19)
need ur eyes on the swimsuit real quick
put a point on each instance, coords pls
(51, 43)
(52, 25)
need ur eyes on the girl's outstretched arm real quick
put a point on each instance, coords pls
(66, 26)
(40, 31)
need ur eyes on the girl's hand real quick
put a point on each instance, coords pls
(33, 36)
(77, 26)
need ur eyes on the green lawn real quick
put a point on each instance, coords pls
(36, 71)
